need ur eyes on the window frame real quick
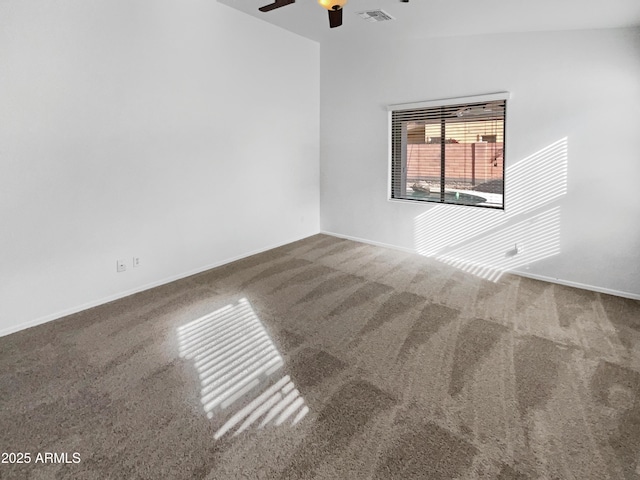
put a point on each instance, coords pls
(445, 102)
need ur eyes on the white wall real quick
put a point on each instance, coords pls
(573, 152)
(179, 131)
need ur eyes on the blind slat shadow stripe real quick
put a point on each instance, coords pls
(238, 366)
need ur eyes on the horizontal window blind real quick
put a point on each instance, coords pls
(451, 153)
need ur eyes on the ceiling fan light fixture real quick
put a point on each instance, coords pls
(334, 9)
(332, 4)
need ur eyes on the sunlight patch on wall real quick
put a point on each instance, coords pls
(488, 243)
(538, 179)
(238, 365)
(505, 253)
(440, 228)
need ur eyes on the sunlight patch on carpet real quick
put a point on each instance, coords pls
(239, 366)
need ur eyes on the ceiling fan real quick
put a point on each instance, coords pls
(333, 6)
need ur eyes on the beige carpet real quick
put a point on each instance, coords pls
(332, 359)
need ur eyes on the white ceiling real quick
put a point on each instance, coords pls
(437, 18)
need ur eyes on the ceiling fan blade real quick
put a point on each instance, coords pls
(276, 4)
(335, 18)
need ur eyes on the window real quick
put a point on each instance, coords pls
(449, 151)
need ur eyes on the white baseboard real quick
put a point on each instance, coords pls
(370, 242)
(559, 281)
(568, 283)
(111, 298)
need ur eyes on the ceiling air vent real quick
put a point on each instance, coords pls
(375, 16)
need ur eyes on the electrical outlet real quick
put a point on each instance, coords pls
(121, 266)
(136, 262)
(512, 252)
